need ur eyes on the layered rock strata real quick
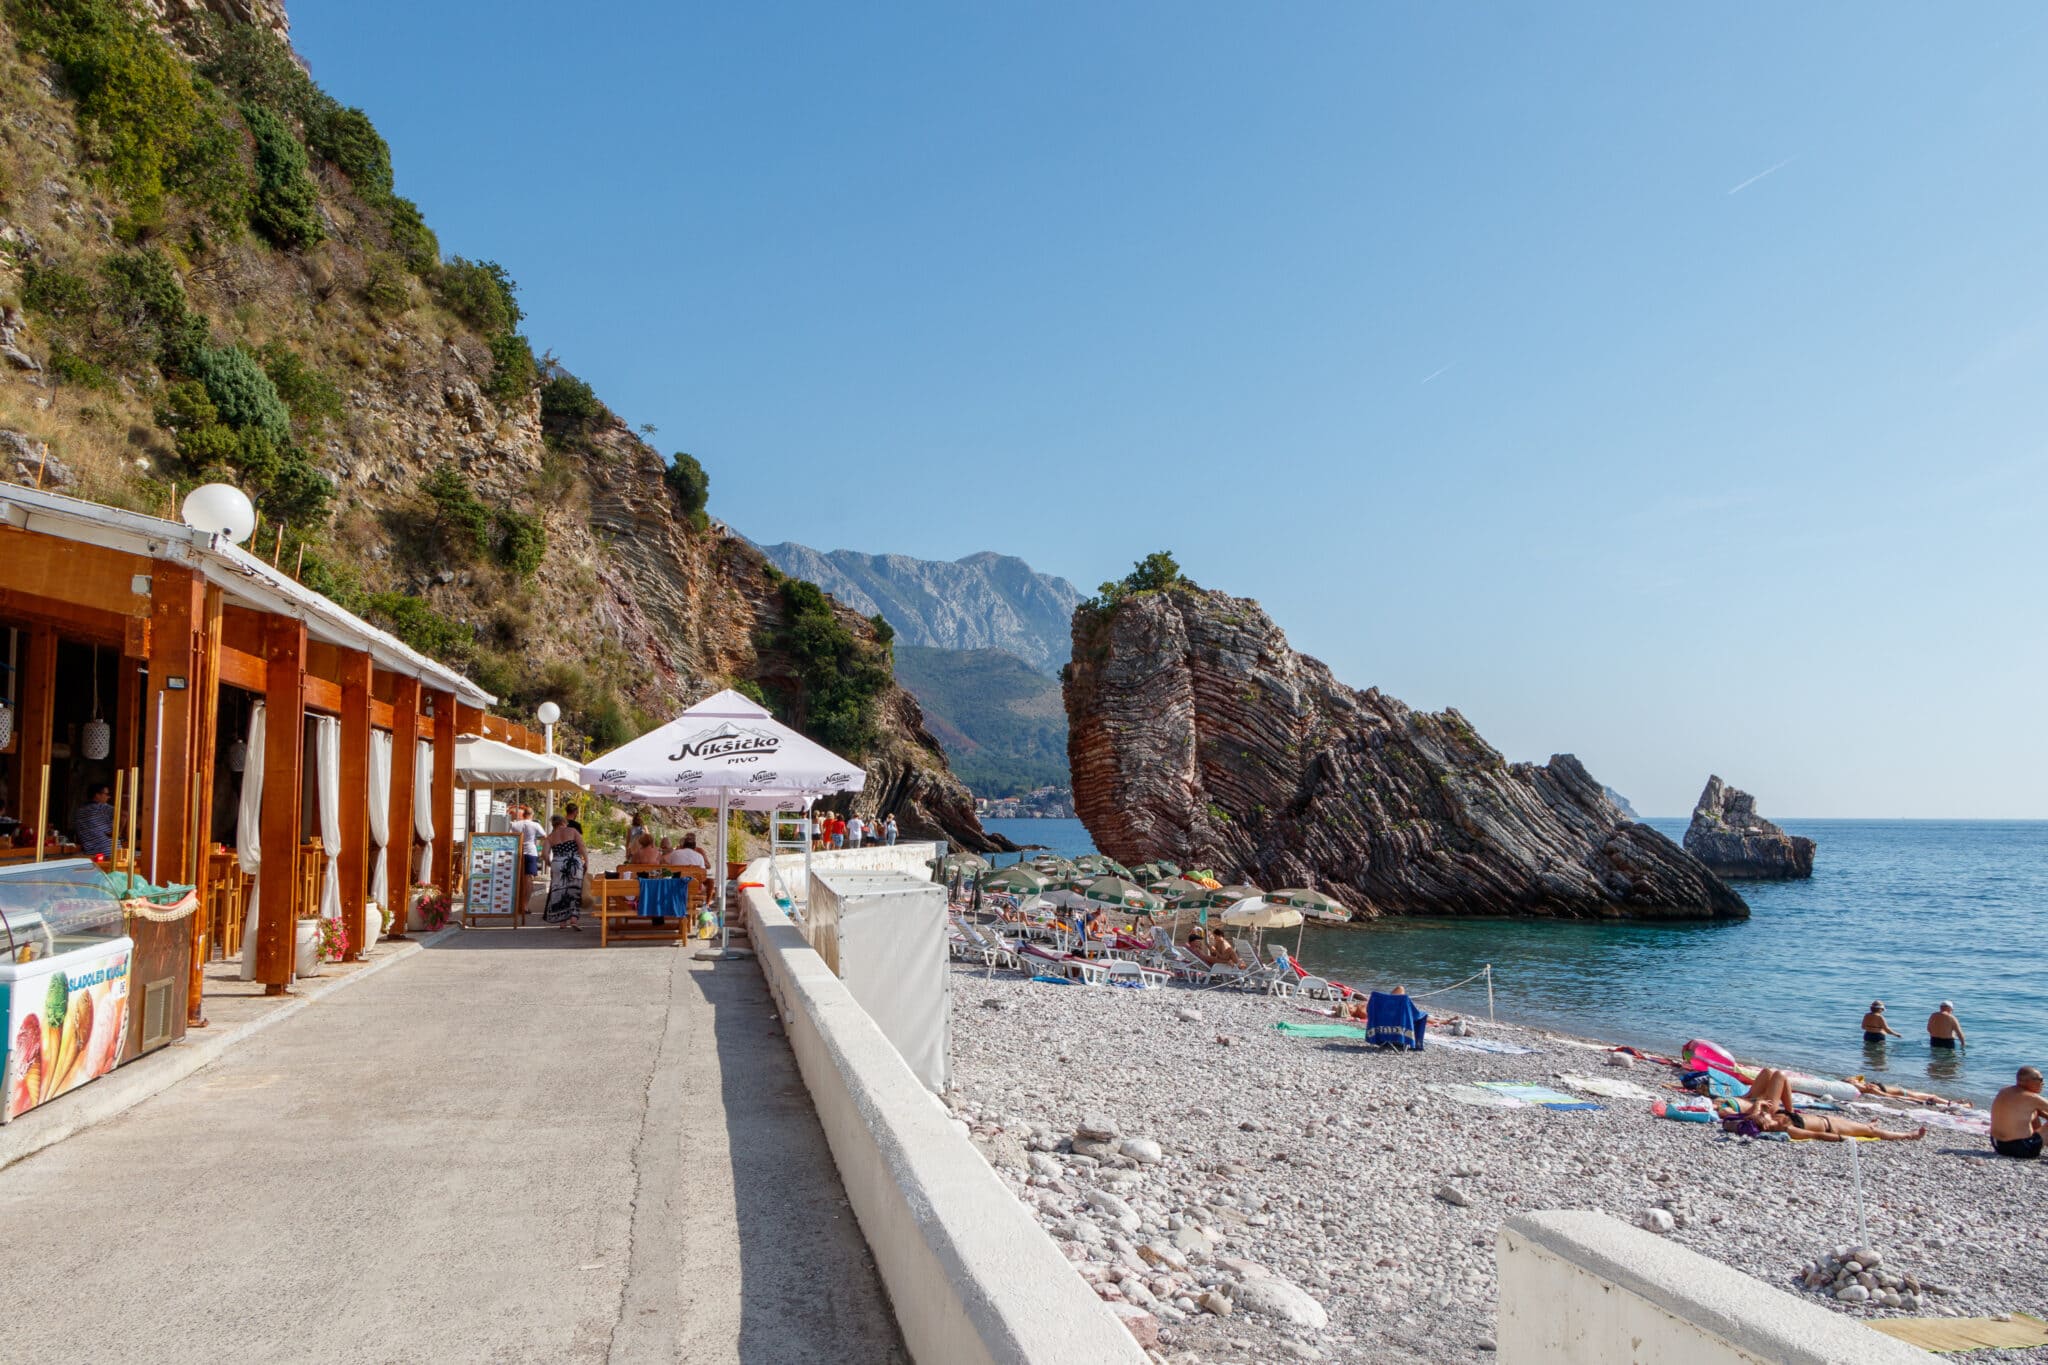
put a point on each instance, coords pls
(1197, 734)
(1729, 836)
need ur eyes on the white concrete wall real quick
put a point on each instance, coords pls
(971, 1275)
(1588, 1289)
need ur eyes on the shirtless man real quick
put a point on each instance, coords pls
(2018, 1115)
(1876, 1028)
(1944, 1029)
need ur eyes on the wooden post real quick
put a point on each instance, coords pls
(36, 694)
(352, 860)
(444, 791)
(177, 601)
(205, 737)
(284, 753)
(405, 708)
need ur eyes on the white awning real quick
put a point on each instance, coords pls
(242, 578)
(481, 762)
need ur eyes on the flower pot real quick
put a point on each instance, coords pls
(308, 947)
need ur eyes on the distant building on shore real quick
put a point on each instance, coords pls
(1045, 803)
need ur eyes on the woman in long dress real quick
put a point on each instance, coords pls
(566, 858)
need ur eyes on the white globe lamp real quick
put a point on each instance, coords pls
(220, 509)
(548, 713)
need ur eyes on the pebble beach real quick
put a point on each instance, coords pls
(1239, 1195)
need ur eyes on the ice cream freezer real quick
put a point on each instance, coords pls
(884, 933)
(64, 965)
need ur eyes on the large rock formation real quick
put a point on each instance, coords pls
(1729, 836)
(1197, 734)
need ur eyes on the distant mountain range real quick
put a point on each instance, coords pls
(985, 601)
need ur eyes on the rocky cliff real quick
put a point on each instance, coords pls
(985, 601)
(255, 303)
(1196, 733)
(1729, 836)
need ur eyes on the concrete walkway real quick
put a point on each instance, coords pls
(510, 1147)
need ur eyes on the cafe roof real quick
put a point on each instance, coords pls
(242, 578)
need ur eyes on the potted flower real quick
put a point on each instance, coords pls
(333, 941)
(432, 908)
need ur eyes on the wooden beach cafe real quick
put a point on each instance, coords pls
(269, 747)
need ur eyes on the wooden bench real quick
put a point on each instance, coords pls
(615, 902)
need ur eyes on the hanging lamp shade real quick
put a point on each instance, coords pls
(97, 739)
(6, 722)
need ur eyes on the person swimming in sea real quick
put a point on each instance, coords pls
(2018, 1115)
(1944, 1029)
(1876, 1028)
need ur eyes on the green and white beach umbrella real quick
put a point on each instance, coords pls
(1170, 869)
(1018, 881)
(970, 864)
(1315, 903)
(1260, 913)
(1177, 890)
(1149, 873)
(1116, 893)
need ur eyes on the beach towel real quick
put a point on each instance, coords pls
(1603, 1085)
(1493, 1045)
(1294, 1030)
(1973, 1121)
(1537, 1094)
(1394, 1021)
(1473, 1095)
(2013, 1332)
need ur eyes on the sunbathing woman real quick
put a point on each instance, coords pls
(1767, 1108)
(1899, 1092)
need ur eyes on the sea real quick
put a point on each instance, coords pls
(1910, 912)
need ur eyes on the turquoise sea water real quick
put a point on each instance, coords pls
(1911, 912)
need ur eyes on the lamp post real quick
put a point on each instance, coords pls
(548, 713)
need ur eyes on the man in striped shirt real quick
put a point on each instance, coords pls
(92, 824)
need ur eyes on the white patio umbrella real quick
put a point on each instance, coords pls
(1259, 914)
(728, 752)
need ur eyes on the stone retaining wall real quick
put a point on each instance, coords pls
(971, 1276)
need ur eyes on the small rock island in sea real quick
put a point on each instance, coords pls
(1196, 733)
(1729, 836)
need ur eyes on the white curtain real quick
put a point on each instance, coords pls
(423, 811)
(380, 824)
(248, 829)
(327, 775)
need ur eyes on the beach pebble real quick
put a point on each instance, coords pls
(1041, 1164)
(1187, 1015)
(1852, 1293)
(1656, 1220)
(1619, 1059)
(1214, 1302)
(1283, 1301)
(1144, 1151)
(1143, 1327)
(1096, 1127)
(1452, 1195)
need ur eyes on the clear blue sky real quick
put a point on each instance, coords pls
(1659, 384)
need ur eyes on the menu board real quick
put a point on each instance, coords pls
(493, 876)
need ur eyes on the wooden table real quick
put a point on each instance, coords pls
(615, 901)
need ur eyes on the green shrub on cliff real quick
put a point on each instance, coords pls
(1156, 572)
(842, 676)
(241, 392)
(686, 478)
(287, 207)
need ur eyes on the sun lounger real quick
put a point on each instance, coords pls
(1064, 964)
(1313, 986)
(1130, 973)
